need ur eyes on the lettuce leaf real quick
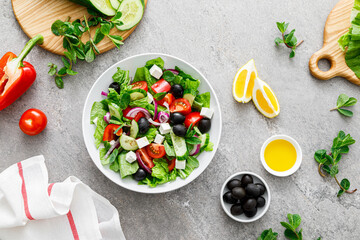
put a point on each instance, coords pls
(143, 74)
(150, 134)
(187, 81)
(98, 110)
(203, 99)
(157, 61)
(191, 164)
(99, 131)
(160, 174)
(126, 168)
(103, 152)
(144, 104)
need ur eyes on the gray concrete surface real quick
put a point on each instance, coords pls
(217, 37)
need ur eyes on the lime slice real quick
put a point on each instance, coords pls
(132, 12)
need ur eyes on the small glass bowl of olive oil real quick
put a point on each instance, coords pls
(281, 155)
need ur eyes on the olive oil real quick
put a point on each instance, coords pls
(280, 155)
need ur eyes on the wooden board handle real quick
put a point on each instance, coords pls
(315, 70)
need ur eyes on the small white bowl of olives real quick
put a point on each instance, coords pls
(245, 197)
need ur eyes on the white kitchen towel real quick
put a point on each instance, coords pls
(31, 208)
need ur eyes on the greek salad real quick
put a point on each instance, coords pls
(153, 127)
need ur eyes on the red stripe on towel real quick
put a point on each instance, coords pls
(23, 192)
(50, 188)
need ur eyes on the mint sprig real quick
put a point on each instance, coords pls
(289, 39)
(345, 101)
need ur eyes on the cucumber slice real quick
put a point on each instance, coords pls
(115, 4)
(189, 95)
(180, 148)
(114, 110)
(136, 94)
(134, 129)
(205, 140)
(132, 12)
(128, 143)
(102, 6)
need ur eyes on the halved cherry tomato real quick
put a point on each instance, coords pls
(140, 85)
(109, 132)
(161, 86)
(145, 157)
(171, 165)
(169, 98)
(181, 105)
(125, 112)
(138, 116)
(192, 118)
(33, 122)
(155, 150)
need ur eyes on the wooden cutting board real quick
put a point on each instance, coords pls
(37, 16)
(337, 24)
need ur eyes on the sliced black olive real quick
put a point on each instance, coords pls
(140, 174)
(179, 130)
(260, 202)
(177, 90)
(249, 204)
(233, 183)
(236, 210)
(262, 188)
(246, 179)
(252, 190)
(177, 118)
(115, 86)
(143, 125)
(228, 198)
(238, 192)
(250, 213)
(204, 125)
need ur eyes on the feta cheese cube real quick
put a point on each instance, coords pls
(180, 164)
(112, 142)
(159, 139)
(156, 72)
(150, 98)
(95, 121)
(165, 128)
(206, 112)
(130, 157)
(142, 142)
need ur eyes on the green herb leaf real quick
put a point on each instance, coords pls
(58, 28)
(193, 140)
(342, 99)
(289, 40)
(73, 40)
(52, 70)
(345, 183)
(341, 192)
(117, 16)
(90, 55)
(334, 170)
(345, 112)
(351, 102)
(65, 62)
(294, 220)
(160, 96)
(292, 53)
(71, 72)
(105, 28)
(278, 41)
(268, 235)
(113, 155)
(98, 37)
(289, 37)
(62, 71)
(282, 26)
(59, 82)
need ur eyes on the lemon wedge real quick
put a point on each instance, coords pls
(244, 82)
(264, 99)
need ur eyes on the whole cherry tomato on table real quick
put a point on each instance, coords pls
(33, 121)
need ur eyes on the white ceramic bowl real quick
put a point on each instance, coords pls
(260, 211)
(298, 156)
(131, 64)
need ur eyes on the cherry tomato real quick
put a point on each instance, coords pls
(138, 116)
(140, 85)
(161, 86)
(171, 165)
(169, 98)
(109, 132)
(181, 105)
(33, 122)
(155, 150)
(192, 118)
(125, 112)
(145, 157)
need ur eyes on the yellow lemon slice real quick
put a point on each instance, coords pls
(264, 99)
(244, 82)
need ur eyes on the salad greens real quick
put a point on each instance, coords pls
(350, 41)
(345, 101)
(113, 113)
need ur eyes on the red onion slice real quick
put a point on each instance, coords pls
(153, 122)
(141, 163)
(195, 150)
(133, 112)
(156, 109)
(107, 117)
(116, 144)
(167, 106)
(163, 117)
(104, 93)
(174, 71)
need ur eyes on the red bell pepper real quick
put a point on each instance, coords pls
(16, 76)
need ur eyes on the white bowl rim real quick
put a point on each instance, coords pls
(216, 144)
(298, 155)
(253, 219)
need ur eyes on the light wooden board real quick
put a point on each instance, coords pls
(337, 24)
(37, 16)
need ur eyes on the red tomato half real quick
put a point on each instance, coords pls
(33, 122)
(169, 98)
(171, 165)
(140, 85)
(138, 116)
(161, 86)
(181, 105)
(155, 150)
(109, 132)
(145, 157)
(192, 118)
(125, 112)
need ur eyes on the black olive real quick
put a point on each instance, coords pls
(177, 90)
(179, 130)
(115, 86)
(246, 179)
(252, 190)
(243, 200)
(238, 192)
(204, 125)
(140, 174)
(228, 198)
(250, 213)
(233, 183)
(143, 125)
(260, 202)
(236, 210)
(177, 118)
(249, 204)
(262, 188)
